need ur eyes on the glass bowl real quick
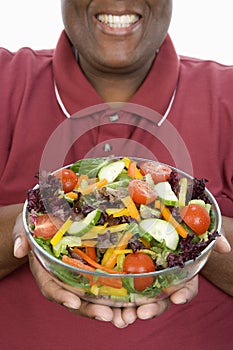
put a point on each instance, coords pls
(122, 286)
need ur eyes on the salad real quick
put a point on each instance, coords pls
(118, 221)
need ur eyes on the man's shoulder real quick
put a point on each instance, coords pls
(26, 51)
(23, 58)
(205, 65)
(20, 72)
(208, 74)
(23, 67)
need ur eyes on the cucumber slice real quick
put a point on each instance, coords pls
(148, 212)
(119, 184)
(165, 193)
(60, 247)
(79, 228)
(161, 230)
(111, 171)
(197, 201)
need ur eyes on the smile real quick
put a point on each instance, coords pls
(123, 21)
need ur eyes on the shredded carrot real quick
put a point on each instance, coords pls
(157, 204)
(91, 252)
(76, 263)
(92, 180)
(145, 242)
(133, 171)
(72, 195)
(90, 188)
(101, 183)
(132, 168)
(122, 244)
(92, 262)
(89, 242)
(114, 282)
(81, 178)
(132, 209)
(168, 217)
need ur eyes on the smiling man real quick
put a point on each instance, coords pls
(119, 41)
(113, 51)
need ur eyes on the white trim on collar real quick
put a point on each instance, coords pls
(59, 100)
(67, 114)
(164, 117)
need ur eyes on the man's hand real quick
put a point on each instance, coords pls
(21, 245)
(219, 267)
(120, 317)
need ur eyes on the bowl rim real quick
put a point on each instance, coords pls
(155, 273)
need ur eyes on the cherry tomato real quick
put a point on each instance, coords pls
(46, 226)
(158, 172)
(141, 192)
(68, 178)
(139, 263)
(196, 217)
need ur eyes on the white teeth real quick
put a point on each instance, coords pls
(122, 21)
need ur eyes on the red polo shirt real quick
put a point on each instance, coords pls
(38, 91)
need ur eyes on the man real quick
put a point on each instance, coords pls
(114, 51)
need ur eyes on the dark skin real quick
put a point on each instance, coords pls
(116, 62)
(219, 267)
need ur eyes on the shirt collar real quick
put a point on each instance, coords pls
(76, 93)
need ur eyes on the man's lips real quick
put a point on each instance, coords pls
(118, 21)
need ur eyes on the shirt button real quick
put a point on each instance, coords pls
(113, 118)
(107, 147)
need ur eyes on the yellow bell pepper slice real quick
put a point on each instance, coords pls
(99, 230)
(62, 230)
(108, 291)
(117, 212)
(123, 251)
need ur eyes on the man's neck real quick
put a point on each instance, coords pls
(117, 86)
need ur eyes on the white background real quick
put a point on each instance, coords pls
(199, 28)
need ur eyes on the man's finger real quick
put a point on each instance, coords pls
(187, 293)
(21, 245)
(147, 311)
(222, 245)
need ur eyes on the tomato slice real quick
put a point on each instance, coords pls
(158, 172)
(47, 225)
(68, 178)
(139, 263)
(141, 192)
(196, 217)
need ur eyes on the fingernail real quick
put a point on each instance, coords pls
(72, 304)
(226, 244)
(130, 321)
(17, 245)
(121, 325)
(179, 300)
(101, 319)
